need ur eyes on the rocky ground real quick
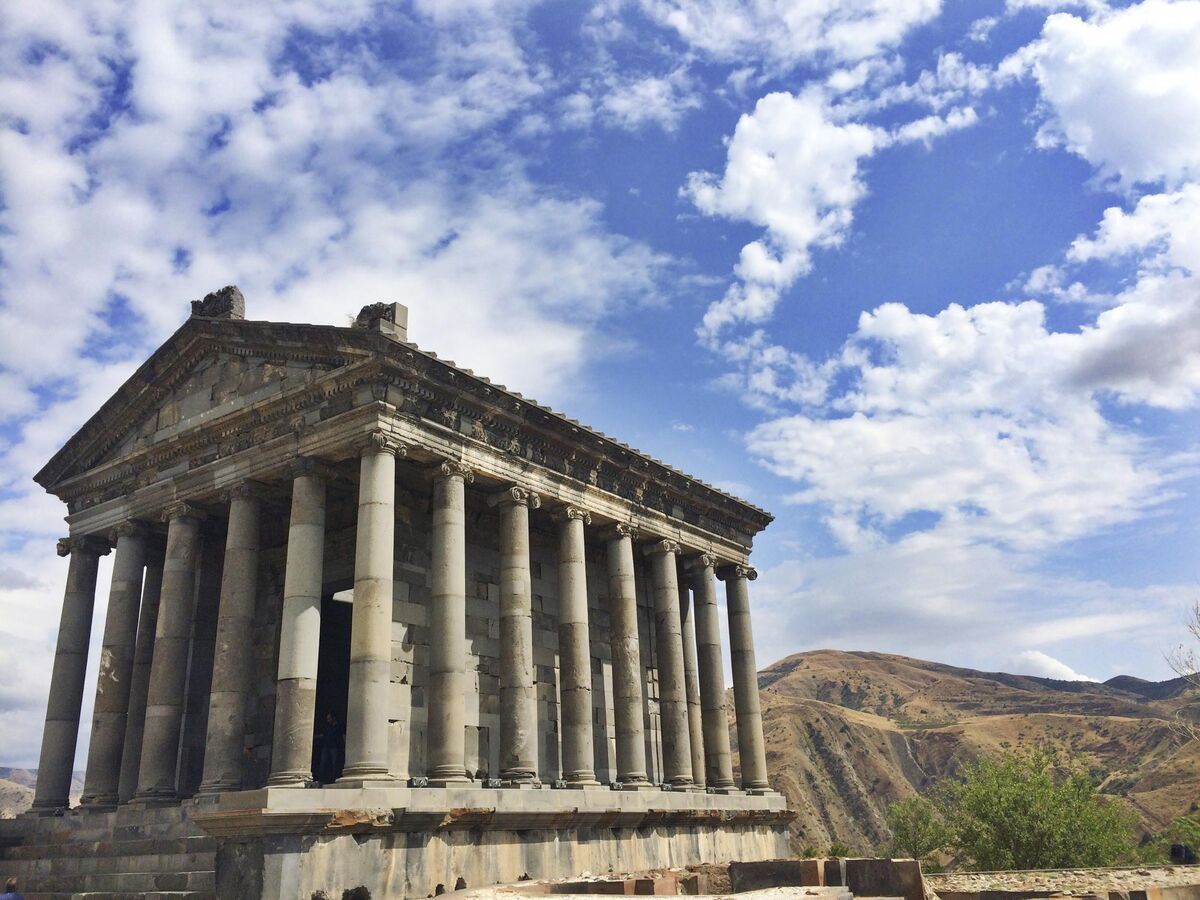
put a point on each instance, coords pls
(1067, 881)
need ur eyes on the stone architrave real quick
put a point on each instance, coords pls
(518, 697)
(233, 656)
(687, 623)
(169, 667)
(446, 750)
(711, 666)
(673, 707)
(628, 711)
(61, 731)
(102, 780)
(139, 684)
(371, 620)
(751, 747)
(574, 652)
(300, 631)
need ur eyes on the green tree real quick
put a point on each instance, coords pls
(1034, 810)
(917, 828)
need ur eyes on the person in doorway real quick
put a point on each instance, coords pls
(10, 891)
(331, 741)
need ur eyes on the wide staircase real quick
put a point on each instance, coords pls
(156, 853)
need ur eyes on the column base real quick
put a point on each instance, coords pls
(99, 803)
(760, 791)
(521, 785)
(291, 780)
(154, 797)
(449, 781)
(211, 790)
(44, 810)
(632, 786)
(366, 778)
(726, 791)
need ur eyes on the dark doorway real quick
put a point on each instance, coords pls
(333, 684)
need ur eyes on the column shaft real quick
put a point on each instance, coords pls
(687, 624)
(102, 780)
(169, 666)
(574, 652)
(233, 656)
(677, 753)
(299, 636)
(627, 659)
(61, 731)
(751, 747)
(371, 620)
(518, 699)
(446, 746)
(139, 682)
(711, 666)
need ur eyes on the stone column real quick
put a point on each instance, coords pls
(711, 666)
(518, 697)
(672, 694)
(371, 620)
(687, 623)
(66, 678)
(574, 652)
(102, 780)
(139, 682)
(446, 749)
(233, 656)
(300, 632)
(751, 747)
(169, 666)
(627, 659)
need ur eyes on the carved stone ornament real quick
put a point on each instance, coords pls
(181, 509)
(227, 303)
(247, 490)
(704, 561)
(379, 441)
(83, 543)
(730, 573)
(309, 465)
(622, 530)
(128, 528)
(515, 494)
(374, 311)
(667, 546)
(452, 468)
(574, 512)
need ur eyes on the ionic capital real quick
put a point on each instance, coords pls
(516, 495)
(311, 466)
(379, 441)
(181, 509)
(667, 546)
(699, 563)
(128, 528)
(83, 543)
(620, 530)
(734, 572)
(453, 468)
(567, 513)
(247, 490)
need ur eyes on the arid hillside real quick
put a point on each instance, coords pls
(16, 790)
(848, 733)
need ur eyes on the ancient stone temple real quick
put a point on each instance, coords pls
(377, 622)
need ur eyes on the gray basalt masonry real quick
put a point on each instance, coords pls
(515, 616)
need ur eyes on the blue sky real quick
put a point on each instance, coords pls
(918, 276)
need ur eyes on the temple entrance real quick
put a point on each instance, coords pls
(333, 683)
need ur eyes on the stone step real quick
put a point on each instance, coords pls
(128, 883)
(110, 847)
(153, 895)
(82, 865)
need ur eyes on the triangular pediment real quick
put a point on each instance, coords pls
(205, 372)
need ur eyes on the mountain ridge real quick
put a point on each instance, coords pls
(849, 732)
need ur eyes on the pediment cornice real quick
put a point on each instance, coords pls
(417, 384)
